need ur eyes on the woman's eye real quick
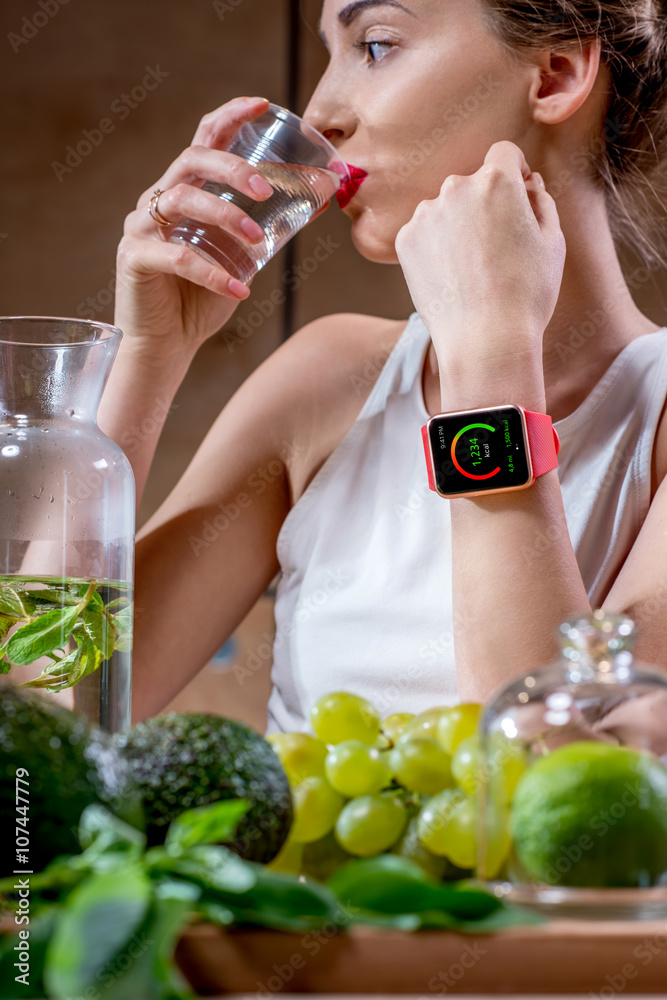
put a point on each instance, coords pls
(371, 48)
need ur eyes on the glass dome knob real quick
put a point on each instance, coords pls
(597, 637)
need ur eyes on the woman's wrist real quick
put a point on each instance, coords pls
(154, 358)
(476, 381)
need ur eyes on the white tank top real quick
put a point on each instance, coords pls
(364, 599)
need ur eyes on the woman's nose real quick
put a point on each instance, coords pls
(328, 115)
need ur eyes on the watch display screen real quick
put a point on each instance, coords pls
(479, 450)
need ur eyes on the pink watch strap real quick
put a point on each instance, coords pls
(543, 442)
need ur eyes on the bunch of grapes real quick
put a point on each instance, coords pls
(406, 784)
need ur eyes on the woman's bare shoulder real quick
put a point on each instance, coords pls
(336, 361)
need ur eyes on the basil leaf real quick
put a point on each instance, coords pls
(99, 630)
(41, 930)
(123, 622)
(390, 884)
(152, 974)
(101, 917)
(48, 632)
(100, 830)
(88, 657)
(5, 625)
(96, 603)
(56, 676)
(215, 913)
(60, 597)
(283, 902)
(213, 867)
(212, 824)
(12, 603)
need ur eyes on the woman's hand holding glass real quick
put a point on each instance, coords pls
(484, 261)
(169, 299)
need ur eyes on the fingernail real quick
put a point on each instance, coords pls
(260, 186)
(540, 180)
(238, 289)
(251, 229)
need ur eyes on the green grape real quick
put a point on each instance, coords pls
(316, 808)
(393, 725)
(354, 768)
(421, 765)
(423, 726)
(434, 819)
(447, 826)
(301, 755)
(322, 858)
(456, 724)
(461, 835)
(466, 764)
(505, 762)
(339, 716)
(371, 824)
(289, 858)
(411, 847)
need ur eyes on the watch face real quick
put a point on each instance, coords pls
(477, 451)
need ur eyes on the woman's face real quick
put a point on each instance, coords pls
(414, 91)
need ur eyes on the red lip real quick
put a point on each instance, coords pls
(349, 187)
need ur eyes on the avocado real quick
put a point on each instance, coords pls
(69, 763)
(184, 760)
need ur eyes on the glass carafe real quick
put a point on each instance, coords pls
(67, 509)
(572, 805)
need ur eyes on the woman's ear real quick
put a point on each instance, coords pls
(563, 81)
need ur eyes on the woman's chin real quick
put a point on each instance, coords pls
(372, 241)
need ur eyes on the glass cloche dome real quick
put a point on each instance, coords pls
(572, 807)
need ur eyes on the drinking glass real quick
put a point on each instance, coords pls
(304, 170)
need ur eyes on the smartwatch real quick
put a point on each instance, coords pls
(471, 453)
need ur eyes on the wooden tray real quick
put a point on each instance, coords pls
(563, 956)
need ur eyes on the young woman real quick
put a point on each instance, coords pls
(465, 115)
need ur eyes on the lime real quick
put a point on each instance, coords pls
(592, 814)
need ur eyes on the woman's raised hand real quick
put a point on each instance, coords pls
(484, 260)
(169, 299)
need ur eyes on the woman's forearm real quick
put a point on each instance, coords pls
(515, 576)
(136, 402)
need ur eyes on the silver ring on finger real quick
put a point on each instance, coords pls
(154, 211)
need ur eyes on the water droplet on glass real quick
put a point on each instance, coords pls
(10, 493)
(69, 411)
(51, 499)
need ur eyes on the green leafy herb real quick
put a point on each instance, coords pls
(152, 974)
(210, 867)
(391, 884)
(13, 603)
(109, 918)
(54, 596)
(123, 624)
(212, 824)
(48, 618)
(102, 914)
(48, 632)
(100, 831)
(41, 932)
